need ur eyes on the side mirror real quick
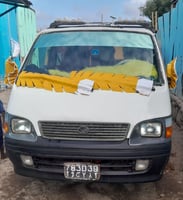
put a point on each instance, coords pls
(172, 74)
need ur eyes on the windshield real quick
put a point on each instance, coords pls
(115, 52)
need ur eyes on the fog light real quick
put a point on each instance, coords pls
(27, 160)
(141, 165)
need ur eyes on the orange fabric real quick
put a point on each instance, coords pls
(103, 81)
(11, 71)
(172, 74)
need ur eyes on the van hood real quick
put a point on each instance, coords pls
(104, 106)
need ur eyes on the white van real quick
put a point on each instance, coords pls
(91, 103)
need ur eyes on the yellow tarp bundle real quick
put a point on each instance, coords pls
(11, 71)
(103, 81)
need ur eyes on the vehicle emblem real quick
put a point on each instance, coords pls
(83, 130)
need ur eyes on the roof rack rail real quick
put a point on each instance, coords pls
(60, 23)
(136, 23)
(121, 24)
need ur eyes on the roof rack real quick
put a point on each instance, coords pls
(123, 24)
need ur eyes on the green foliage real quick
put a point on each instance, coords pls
(161, 6)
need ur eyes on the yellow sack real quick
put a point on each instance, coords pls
(11, 71)
(172, 74)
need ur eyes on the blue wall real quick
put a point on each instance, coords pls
(8, 30)
(170, 34)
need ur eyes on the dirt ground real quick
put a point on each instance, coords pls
(170, 187)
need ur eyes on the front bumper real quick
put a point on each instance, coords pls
(117, 159)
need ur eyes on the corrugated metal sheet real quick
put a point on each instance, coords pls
(170, 35)
(20, 25)
(26, 20)
(8, 30)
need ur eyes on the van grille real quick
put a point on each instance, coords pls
(84, 131)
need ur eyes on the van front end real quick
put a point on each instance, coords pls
(102, 142)
(91, 103)
(132, 160)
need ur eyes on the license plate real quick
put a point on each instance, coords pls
(82, 171)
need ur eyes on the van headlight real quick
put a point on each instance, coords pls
(21, 126)
(150, 129)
